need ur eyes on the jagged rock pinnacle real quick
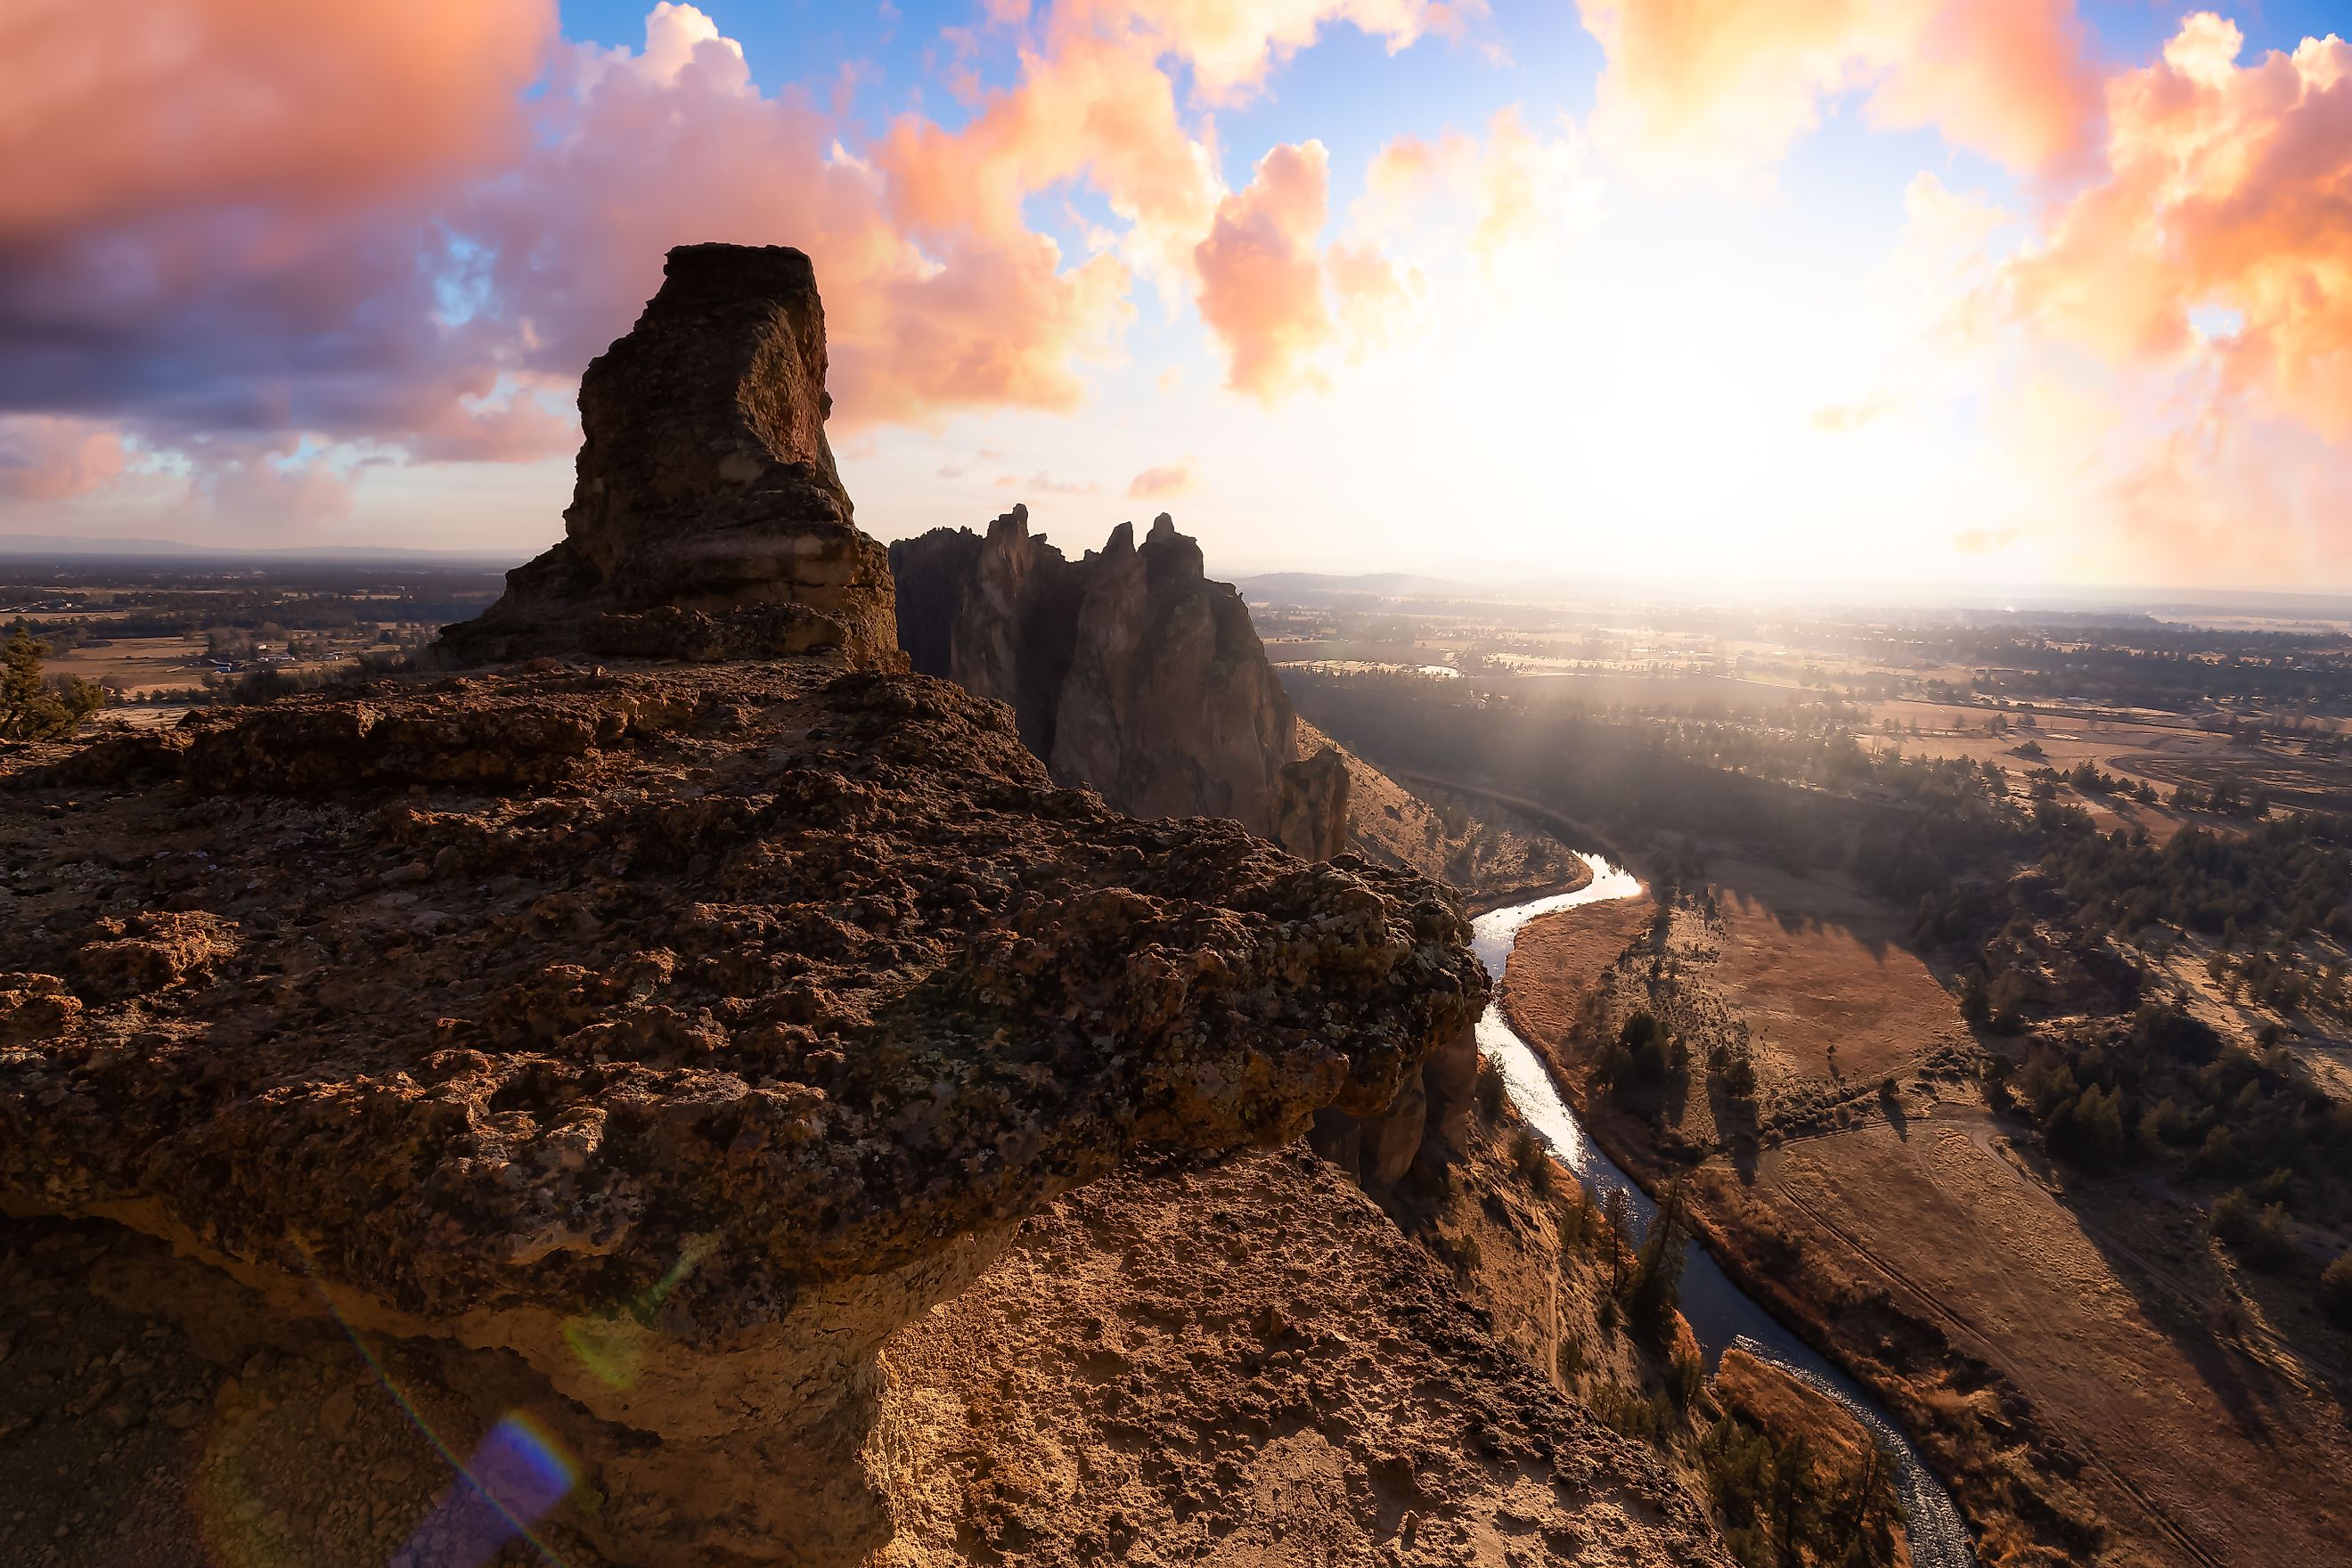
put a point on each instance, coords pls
(708, 521)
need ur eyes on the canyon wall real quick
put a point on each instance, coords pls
(1128, 671)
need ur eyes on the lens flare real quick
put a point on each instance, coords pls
(518, 1472)
(609, 1344)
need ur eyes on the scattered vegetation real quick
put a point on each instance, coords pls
(33, 708)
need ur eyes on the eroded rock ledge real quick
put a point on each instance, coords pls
(651, 1043)
(490, 1004)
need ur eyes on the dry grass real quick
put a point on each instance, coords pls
(141, 664)
(2103, 1391)
(1558, 958)
(2193, 1443)
(1820, 974)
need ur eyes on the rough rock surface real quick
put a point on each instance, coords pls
(707, 522)
(1144, 1378)
(655, 1042)
(1130, 672)
(1243, 1362)
(706, 1025)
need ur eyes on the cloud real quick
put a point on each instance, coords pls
(1168, 479)
(43, 457)
(1716, 91)
(1516, 188)
(1986, 540)
(2228, 195)
(1837, 419)
(402, 230)
(119, 109)
(1261, 281)
(1231, 45)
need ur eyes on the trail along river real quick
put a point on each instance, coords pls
(1720, 1313)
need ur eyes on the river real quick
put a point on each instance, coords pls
(1720, 1313)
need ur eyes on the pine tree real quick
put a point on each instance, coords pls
(30, 710)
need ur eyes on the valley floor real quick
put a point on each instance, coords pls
(2074, 1354)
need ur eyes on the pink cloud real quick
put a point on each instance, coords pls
(274, 224)
(116, 108)
(43, 458)
(1261, 281)
(1178, 479)
(1718, 90)
(2229, 190)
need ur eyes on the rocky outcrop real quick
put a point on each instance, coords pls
(1128, 671)
(707, 522)
(1249, 1363)
(648, 1042)
(675, 1049)
(1311, 805)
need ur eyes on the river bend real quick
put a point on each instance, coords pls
(1720, 1313)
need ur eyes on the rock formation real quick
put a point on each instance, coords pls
(1128, 671)
(649, 1043)
(708, 521)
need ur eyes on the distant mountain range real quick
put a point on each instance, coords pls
(71, 547)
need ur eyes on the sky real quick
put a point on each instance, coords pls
(2032, 293)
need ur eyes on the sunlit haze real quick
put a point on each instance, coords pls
(2020, 292)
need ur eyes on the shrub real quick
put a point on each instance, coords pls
(2256, 1234)
(1532, 1161)
(1492, 1091)
(1628, 1414)
(1685, 1377)
(2336, 1291)
(30, 708)
(1656, 1288)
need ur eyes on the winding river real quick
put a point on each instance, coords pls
(1720, 1313)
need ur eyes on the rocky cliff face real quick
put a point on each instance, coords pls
(644, 1042)
(1128, 671)
(708, 521)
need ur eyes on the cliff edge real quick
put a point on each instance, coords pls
(648, 1041)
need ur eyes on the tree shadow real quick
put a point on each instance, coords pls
(2203, 1309)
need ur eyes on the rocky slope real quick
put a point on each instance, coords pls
(1129, 670)
(575, 1072)
(1146, 1377)
(655, 1041)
